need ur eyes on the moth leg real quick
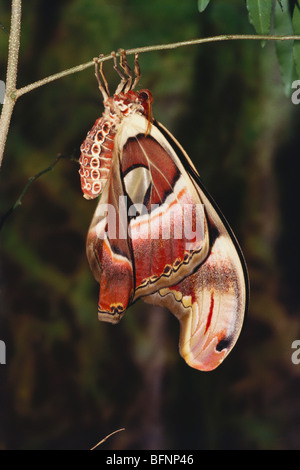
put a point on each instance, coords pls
(104, 89)
(137, 71)
(124, 80)
(103, 76)
(127, 69)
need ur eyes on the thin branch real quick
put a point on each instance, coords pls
(103, 440)
(12, 94)
(56, 76)
(29, 183)
(3, 28)
(159, 47)
(11, 76)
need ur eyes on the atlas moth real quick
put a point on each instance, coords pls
(137, 245)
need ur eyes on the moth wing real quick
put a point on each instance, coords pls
(108, 249)
(167, 226)
(146, 202)
(211, 302)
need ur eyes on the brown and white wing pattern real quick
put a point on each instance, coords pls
(211, 302)
(158, 235)
(167, 225)
(149, 230)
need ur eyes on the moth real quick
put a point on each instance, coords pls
(156, 233)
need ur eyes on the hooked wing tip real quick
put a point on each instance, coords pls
(208, 358)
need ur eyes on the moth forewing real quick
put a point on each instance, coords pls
(155, 180)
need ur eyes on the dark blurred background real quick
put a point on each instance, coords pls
(70, 380)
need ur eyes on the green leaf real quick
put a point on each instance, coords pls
(296, 25)
(285, 49)
(202, 4)
(260, 12)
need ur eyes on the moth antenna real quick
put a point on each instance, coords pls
(137, 71)
(104, 89)
(124, 80)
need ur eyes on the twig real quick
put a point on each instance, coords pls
(11, 76)
(105, 439)
(12, 94)
(3, 28)
(29, 183)
(159, 47)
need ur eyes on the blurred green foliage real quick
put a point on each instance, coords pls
(70, 380)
